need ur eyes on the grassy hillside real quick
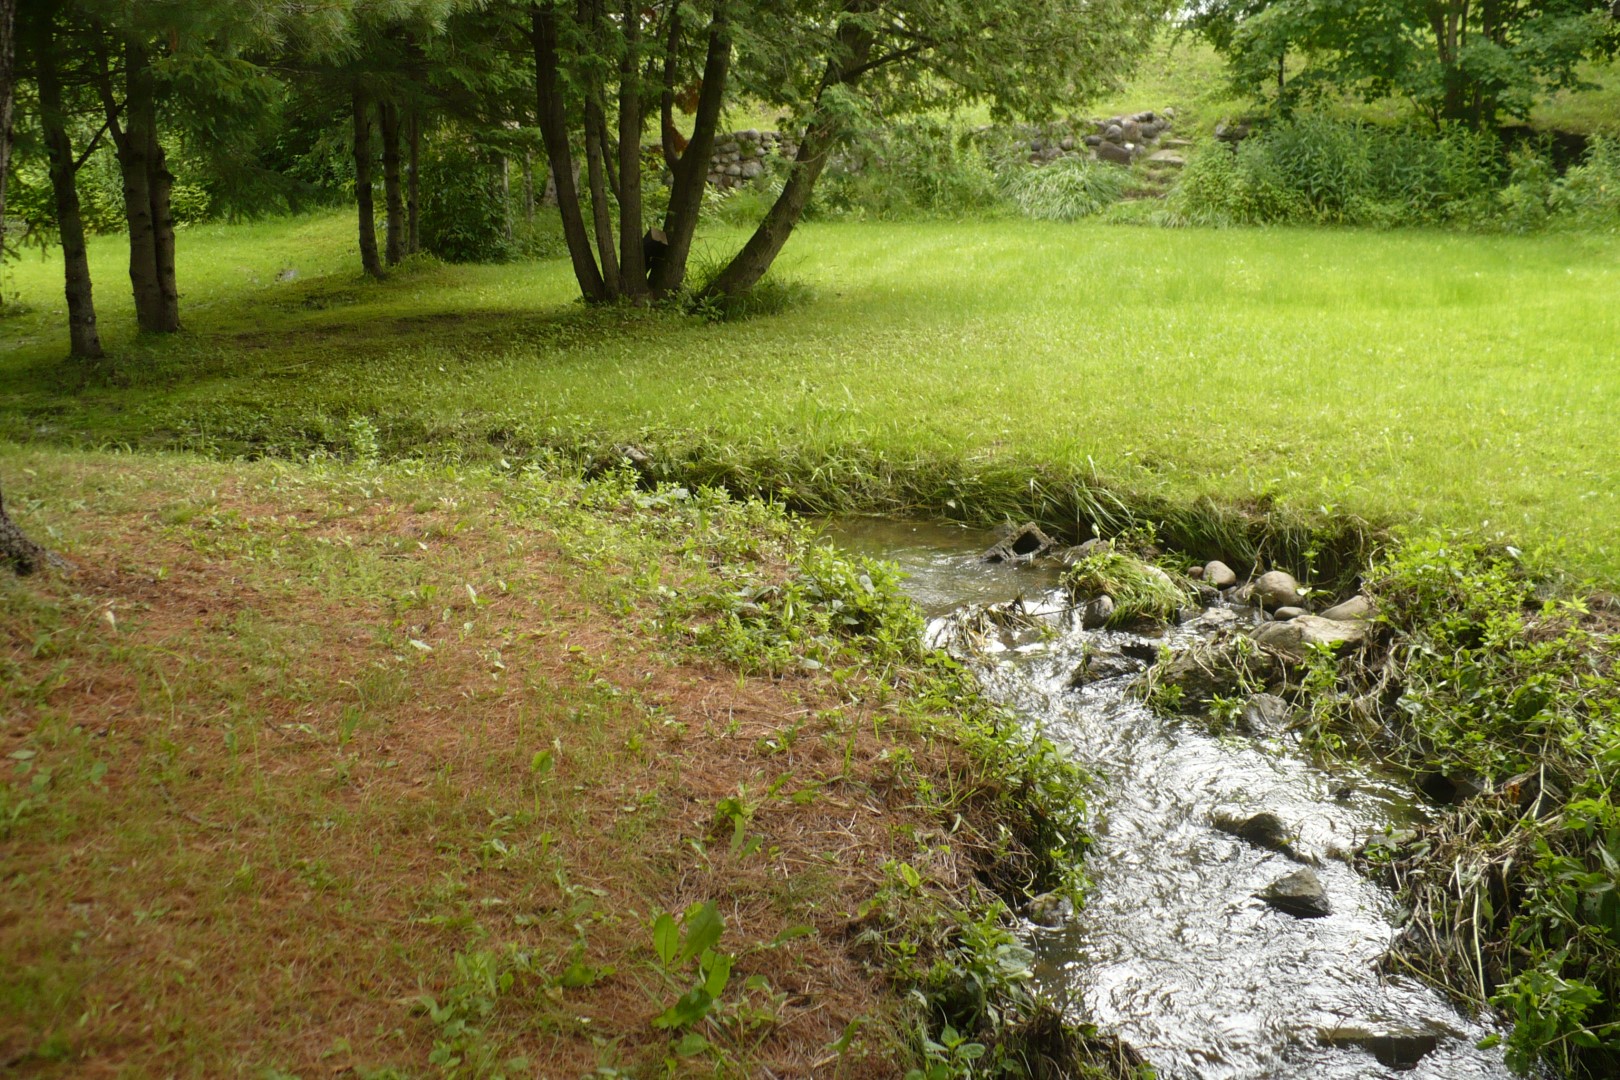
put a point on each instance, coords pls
(1414, 378)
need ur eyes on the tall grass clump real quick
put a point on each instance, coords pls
(1066, 189)
(1141, 592)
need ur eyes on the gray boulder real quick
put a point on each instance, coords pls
(1219, 574)
(1283, 614)
(1295, 637)
(1356, 609)
(1299, 894)
(1114, 154)
(1275, 589)
(1096, 613)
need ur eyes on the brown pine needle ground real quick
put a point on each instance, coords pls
(299, 749)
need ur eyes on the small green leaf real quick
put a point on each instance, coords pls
(691, 1007)
(791, 933)
(703, 929)
(717, 975)
(666, 938)
(691, 1044)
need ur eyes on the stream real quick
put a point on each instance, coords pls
(1173, 951)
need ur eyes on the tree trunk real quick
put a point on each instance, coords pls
(8, 55)
(692, 171)
(528, 187)
(632, 257)
(22, 554)
(393, 197)
(413, 194)
(554, 131)
(84, 341)
(161, 186)
(134, 148)
(750, 264)
(369, 260)
(596, 173)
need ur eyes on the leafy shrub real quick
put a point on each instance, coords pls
(1589, 194)
(919, 168)
(1518, 887)
(1314, 169)
(465, 212)
(1066, 189)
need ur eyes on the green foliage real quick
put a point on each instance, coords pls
(1317, 170)
(466, 216)
(1521, 696)
(461, 1047)
(923, 167)
(1589, 194)
(1459, 62)
(1066, 189)
(1140, 590)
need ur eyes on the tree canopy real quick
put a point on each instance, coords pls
(1463, 61)
(619, 100)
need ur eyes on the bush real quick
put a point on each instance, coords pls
(925, 167)
(1589, 194)
(1317, 170)
(1066, 189)
(466, 215)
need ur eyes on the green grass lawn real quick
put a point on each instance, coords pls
(1411, 378)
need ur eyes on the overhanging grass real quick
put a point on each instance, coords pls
(1419, 377)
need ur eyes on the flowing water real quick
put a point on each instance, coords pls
(1173, 951)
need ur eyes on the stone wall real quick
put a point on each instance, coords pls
(1118, 140)
(741, 156)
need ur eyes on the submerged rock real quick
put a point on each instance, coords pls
(1049, 910)
(1264, 830)
(1025, 543)
(1396, 1046)
(1263, 714)
(1299, 894)
(1217, 668)
(1096, 666)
